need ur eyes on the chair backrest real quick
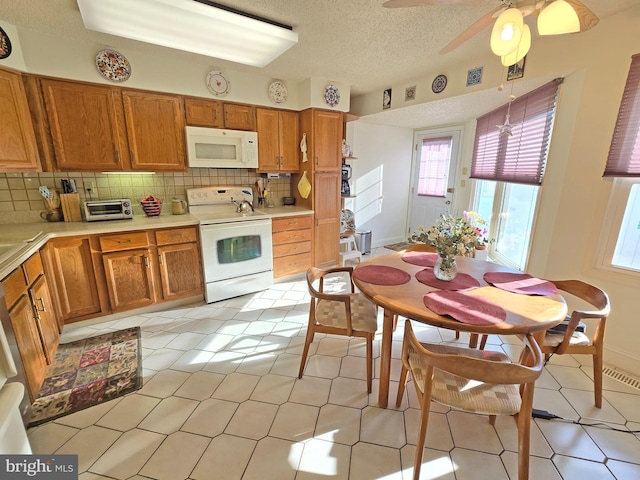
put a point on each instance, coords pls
(593, 296)
(483, 370)
(317, 276)
(420, 247)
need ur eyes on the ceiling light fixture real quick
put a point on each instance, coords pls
(197, 26)
(511, 38)
(557, 18)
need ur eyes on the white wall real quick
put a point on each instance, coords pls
(380, 180)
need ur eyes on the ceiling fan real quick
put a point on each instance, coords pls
(586, 17)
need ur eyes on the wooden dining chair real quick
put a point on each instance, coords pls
(471, 380)
(573, 341)
(339, 312)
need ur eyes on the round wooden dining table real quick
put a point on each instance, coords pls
(524, 313)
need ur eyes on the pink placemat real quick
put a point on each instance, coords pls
(424, 259)
(381, 275)
(461, 282)
(465, 308)
(520, 283)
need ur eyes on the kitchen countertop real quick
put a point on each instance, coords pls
(19, 241)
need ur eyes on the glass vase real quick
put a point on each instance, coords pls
(446, 267)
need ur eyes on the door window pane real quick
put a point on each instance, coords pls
(434, 166)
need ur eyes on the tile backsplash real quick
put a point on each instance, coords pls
(21, 202)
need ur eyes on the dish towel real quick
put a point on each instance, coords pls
(470, 309)
(520, 283)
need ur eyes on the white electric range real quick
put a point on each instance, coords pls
(236, 246)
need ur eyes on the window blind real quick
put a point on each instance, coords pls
(520, 157)
(624, 153)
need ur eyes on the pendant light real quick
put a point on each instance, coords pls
(557, 18)
(507, 31)
(521, 50)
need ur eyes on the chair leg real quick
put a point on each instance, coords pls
(597, 379)
(422, 434)
(369, 361)
(483, 341)
(305, 350)
(401, 385)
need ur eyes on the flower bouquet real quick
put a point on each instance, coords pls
(450, 236)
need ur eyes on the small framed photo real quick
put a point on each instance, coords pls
(5, 44)
(516, 70)
(410, 93)
(386, 99)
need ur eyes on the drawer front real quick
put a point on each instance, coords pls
(290, 223)
(291, 264)
(33, 268)
(14, 285)
(124, 241)
(176, 235)
(293, 236)
(291, 249)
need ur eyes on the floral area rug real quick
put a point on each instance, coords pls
(88, 372)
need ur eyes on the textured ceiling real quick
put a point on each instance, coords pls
(356, 42)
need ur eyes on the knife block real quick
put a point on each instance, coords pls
(70, 203)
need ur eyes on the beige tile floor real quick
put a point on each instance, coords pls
(221, 400)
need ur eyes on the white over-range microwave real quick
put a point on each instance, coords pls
(220, 148)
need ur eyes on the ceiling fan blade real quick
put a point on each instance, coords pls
(588, 19)
(421, 3)
(474, 29)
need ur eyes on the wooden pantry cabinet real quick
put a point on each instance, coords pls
(34, 325)
(18, 147)
(323, 170)
(278, 140)
(292, 245)
(97, 127)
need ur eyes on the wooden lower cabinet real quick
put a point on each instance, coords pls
(33, 321)
(327, 219)
(70, 267)
(291, 244)
(129, 277)
(179, 263)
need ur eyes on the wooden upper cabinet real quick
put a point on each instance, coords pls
(201, 112)
(239, 117)
(87, 126)
(18, 148)
(278, 140)
(155, 128)
(327, 140)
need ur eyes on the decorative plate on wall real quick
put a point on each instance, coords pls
(278, 92)
(439, 84)
(113, 66)
(218, 83)
(5, 44)
(331, 96)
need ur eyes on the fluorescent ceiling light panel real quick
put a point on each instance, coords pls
(191, 26)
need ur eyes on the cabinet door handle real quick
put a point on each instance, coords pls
(146, 261)
(160, 258)
(42, 307)
(316, 161)
(124, 241)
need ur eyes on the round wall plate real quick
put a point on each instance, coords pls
(331, 95)
(113, 66)
(278, 92)
(5, 44)
(439, 84)
(218, 83)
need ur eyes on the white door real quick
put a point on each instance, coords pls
(433, 176)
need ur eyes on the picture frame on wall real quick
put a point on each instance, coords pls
(386, 99)
(516, 70)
